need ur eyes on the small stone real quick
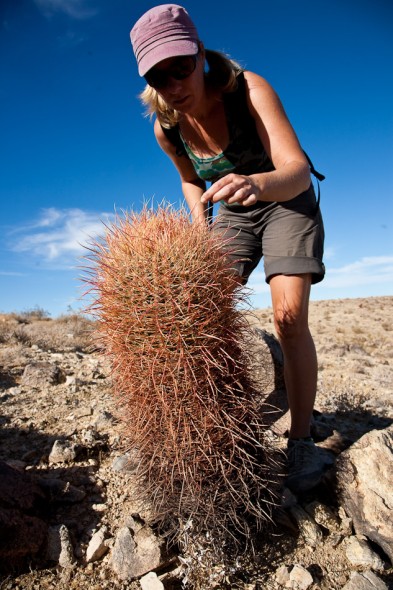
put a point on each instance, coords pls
(100, 507)
(308, 528)
(300, 578)
(359, 553)
(282, 575)
(135, 555)
(63, 451)
(88, 435)
(14, 391)
(323, 516)
(103, 420)
(97, 547)
(346, 525)
(40, 374)
(59, 547)
(127, 462)
(151, 582)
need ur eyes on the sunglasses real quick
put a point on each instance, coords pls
(181, 68)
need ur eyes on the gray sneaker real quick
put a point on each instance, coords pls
(305, 465)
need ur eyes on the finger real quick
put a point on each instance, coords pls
(240, 195)
(245, 200)
(251, 200)
(211, 193)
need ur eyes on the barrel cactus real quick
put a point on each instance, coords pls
(168, 315)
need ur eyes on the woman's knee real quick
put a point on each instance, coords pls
(290, 324)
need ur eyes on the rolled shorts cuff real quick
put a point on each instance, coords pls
(294, 265)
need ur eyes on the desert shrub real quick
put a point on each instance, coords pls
(167, 306)
(60, 336)
(68, 333)
(34, 314)
(345, 399)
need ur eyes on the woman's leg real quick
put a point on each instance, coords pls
(290, 297)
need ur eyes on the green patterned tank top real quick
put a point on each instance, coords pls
(206, 168)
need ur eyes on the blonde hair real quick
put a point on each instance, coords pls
(222, 74)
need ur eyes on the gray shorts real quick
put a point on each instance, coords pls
(289, 235)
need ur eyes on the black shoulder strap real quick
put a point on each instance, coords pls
(238, 98)
(172, 133)
(317, 174)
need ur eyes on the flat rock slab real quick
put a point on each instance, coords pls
(365, 481)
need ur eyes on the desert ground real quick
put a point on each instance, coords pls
(73, 403)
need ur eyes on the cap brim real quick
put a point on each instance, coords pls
(163, 51)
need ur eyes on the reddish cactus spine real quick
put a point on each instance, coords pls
(168, 315)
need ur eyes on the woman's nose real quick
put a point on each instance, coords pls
(173, 86)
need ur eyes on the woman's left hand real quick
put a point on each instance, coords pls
(233, 188)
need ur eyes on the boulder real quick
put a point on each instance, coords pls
(41, 374)
(365, 581)
(365, 484)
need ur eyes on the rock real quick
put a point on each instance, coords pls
(282, 575)
(41, 374)
(324, 516)
(22, 528)
(134, 523)
(89, 436)
(365, 581)
(100, 507)
(308, 528)
(103, 420)
(299, 578)
(74, 384)
(151, 582)
(135, 555)
(126, 462)
(365, 483)
(63, 451)
(60, 547)
(97, 546)
(346, 524)
(359, 553)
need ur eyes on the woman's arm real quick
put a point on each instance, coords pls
(192, 186)
(291, 175)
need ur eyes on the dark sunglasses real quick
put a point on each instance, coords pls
(180, 68)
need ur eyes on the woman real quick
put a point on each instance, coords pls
(229, 127)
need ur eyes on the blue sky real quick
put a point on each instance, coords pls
(74, 146)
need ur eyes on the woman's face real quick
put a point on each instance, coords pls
(179, 81)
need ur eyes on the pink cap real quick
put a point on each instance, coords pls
(163, 31)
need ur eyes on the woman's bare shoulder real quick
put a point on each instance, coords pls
(257, 82)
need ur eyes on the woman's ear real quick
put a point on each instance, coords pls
(201, 49)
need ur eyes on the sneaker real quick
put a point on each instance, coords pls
(305, 465)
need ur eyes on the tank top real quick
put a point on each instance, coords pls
(244, 153)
